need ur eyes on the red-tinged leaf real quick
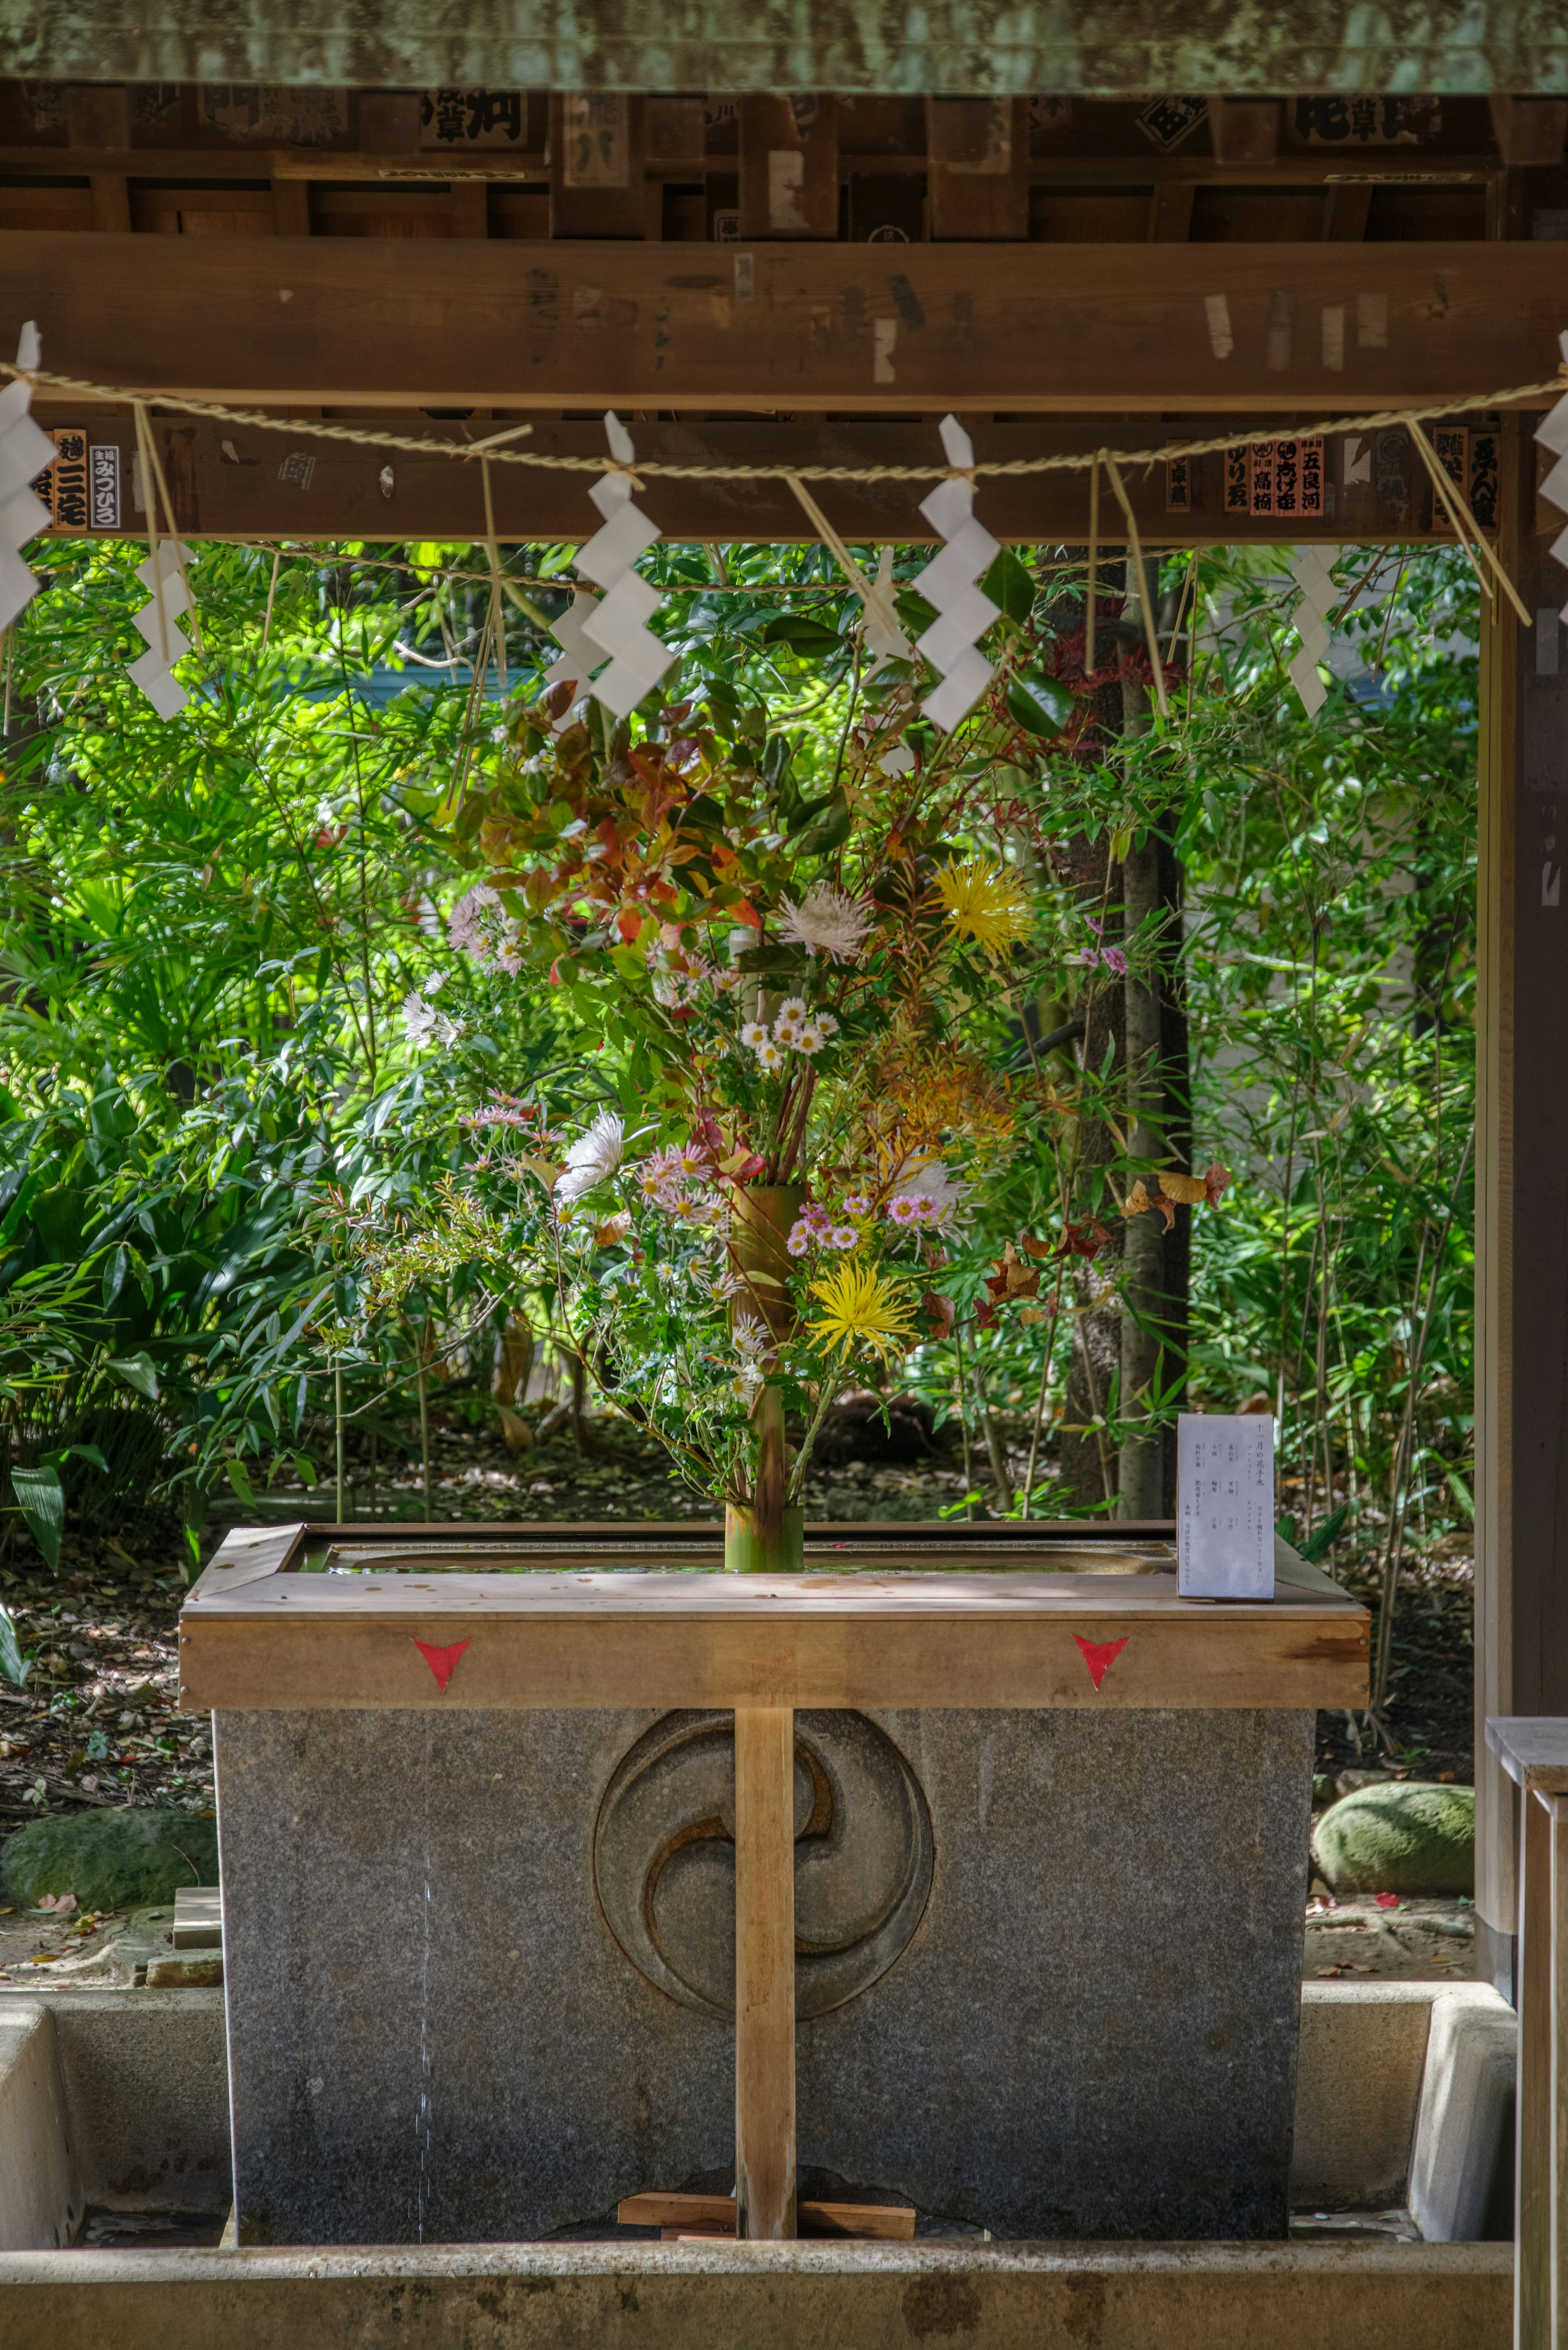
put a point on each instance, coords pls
(1387, 1900)
(941, 1310)
(1098, 1655)
(442, 1662)
(1087, 1237)
(1214, 1182)
(984, 1315)
(629, 925)
(746, 912)
(1032, 1247)
(1167, 1209)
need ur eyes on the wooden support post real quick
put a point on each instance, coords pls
(1556, 1808)
(1522, 1286)
(1533, 2104)
(764, 1972)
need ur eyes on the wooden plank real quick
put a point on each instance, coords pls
(597, 180)
(246, 1555)
(765, 1973)
(715, 2214)
(789, 166)
(1556, 1809)
(1522, 1562)
(1532, 2326)
(1532, 1749)
(1032, 330)
(639, 1639)
(1496, 1889)
(979, 154)
(245, 496)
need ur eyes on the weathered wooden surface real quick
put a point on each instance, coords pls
(1030, 328)
(696, 1640)
(764, 1974)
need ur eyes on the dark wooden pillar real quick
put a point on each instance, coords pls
(1521, 1172)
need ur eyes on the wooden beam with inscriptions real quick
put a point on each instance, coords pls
(240, 482)
(1025, 329)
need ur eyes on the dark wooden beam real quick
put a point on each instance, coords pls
(1036, 328)
(230, 482)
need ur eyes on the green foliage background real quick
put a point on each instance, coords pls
(208, 929)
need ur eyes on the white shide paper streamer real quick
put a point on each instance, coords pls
(1553, 433)
(25, 451)
(964, 611)
(165, 643)
(617, 624)
(1313, 574)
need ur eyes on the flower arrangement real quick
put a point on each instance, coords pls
(791, 983)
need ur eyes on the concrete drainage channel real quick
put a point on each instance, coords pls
(114, 2125)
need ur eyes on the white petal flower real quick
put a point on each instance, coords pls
(785, 1032)
(827, 922)
(809, 1039)
(933, 1182)
(769, 1057)
(792, 1009)
(754, 1033)
(423, 1024)
(750, 1339)
(592, 1158)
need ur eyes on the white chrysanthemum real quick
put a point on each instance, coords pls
(828, 922)
(479, 926)
(769, 1057)
(754, 1033)
(785, 1032)
(592, 1158)
(750, 1338)
(809, 1039)
(933, 1182)
(423, 1024)
(826, 1022)
(792, 1009)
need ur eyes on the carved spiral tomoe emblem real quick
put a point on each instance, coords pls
(664, 1857)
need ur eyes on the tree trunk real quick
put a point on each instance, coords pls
(1140, 1481)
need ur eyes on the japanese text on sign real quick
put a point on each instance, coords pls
(1225, 1505)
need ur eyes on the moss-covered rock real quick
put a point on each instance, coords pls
(108, 1859)
(1405, 1836)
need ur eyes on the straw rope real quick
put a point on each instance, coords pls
(1010, 468)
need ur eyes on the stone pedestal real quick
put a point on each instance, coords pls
(478, 1966)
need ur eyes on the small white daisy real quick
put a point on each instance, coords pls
(754, 1033)
(793, 1009)
(768, 1056)
(809, 1039)
(785, 1032)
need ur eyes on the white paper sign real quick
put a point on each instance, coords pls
(1225, 1506)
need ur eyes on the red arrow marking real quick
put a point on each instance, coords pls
(1099, 1657)
(442, 1662)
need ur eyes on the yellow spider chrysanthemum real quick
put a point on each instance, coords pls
(862, 1310)
(985, 902)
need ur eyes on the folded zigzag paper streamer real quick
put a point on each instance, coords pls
(168, 642)
(964, 611)
(578, 657)
(617, 623)
(1313, 574)
(1553, 433)
(25, 451)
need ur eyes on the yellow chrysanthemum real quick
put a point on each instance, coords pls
(985, 902)
(862, 1310)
